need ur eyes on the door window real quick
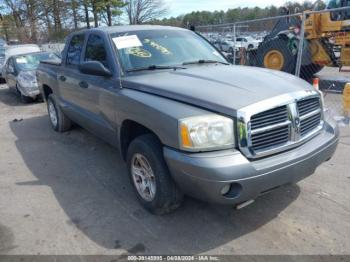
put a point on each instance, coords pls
(74, 50)
(95, 50)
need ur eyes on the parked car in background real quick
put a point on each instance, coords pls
(20, 73)
(247, 42)
(56, 48)
(2, 60)
(11, 50)
(184, 119)
(225, 45)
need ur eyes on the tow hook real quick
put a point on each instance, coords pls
(244, 204)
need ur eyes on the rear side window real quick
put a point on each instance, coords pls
(95, 50)
(74, 50)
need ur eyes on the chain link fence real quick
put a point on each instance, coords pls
(313, 44)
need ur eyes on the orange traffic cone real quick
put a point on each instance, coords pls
(316, 84)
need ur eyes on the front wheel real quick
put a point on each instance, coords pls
(150, 177)
(59, 121)
(24, 99)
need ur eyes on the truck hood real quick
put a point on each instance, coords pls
(219, 88)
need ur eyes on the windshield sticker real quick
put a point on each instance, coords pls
(139, 52)
(128, 41)
(157, 46)
(21, 60)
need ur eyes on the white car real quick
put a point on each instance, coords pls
(225, 45)
(247, 42)
(12, 50)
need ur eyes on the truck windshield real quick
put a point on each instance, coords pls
(31, 61)
(149, 48)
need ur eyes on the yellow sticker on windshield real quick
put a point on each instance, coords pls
(157, 46)
(139, 52)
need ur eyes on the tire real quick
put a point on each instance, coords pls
(230, 50)
(280, 46)
(26, 99)
(250, 47)
(165, 196)
(62, 123)
(307, 72)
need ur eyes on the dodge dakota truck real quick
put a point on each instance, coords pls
(185, 121)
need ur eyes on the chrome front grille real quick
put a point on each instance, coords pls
(310, 114)
(269, 117)
(272, 138)
(309, 124)
(270, 128)
(306, 106)
(286, 122)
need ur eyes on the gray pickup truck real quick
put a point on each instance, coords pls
(185, 121)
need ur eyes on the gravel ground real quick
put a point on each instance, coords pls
(69, 194)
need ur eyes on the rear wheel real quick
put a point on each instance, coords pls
(276, 55)
(150, 177)
(59, 121)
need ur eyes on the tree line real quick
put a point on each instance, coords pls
(238, 14)
(51, 20)
(44, 20)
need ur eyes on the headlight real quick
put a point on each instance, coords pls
(203, 133)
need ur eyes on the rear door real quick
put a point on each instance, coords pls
(69, 75)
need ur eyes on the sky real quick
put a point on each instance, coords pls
(178, 7)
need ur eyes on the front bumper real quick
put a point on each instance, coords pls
(29, 92)
(204, 175)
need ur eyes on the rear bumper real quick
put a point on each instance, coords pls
(204, 175)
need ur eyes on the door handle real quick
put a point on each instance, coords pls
(62, 78)
(83, 84)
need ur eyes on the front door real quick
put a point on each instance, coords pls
(96, 88)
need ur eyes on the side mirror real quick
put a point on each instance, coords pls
(94, 68)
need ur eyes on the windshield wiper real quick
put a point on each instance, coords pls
(204, 61)
(154, 67)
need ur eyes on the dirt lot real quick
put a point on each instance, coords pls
(69, 194)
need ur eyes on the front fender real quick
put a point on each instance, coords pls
(158, 114)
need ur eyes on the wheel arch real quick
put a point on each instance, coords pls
(47, 90)
(129, 130)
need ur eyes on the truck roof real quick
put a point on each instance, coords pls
(129, 28)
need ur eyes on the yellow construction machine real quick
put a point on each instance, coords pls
(326, 41)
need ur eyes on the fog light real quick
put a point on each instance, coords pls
(232, 191)
(225, 189)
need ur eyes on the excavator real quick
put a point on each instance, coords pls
(326, 42)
